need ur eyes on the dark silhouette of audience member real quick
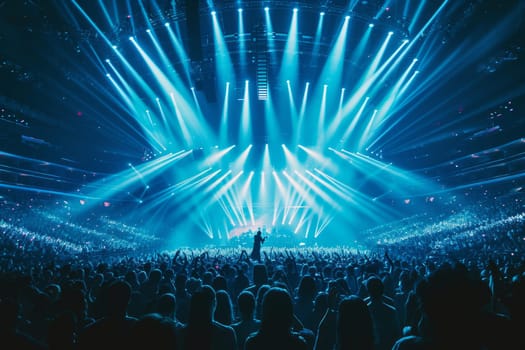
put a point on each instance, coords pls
(260, 277)
(113, 330)
(61, 332)
(277, 318)
(355, 330)
(224, 309)
(384, 316)
(455, 315)
(241, 281)
(247, 324)
(320, 307)
(9, 334)
(166, 307)
(304, 302)
(202, 331)
(153, 330)
(258, 240)
(259, 299)
(182, 297)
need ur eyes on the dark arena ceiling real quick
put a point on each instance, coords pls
(226, 115)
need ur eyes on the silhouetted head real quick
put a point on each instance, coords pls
(307, 288)
(166, 305)
(246, 303)
(375, 287)
(219, 283)
(260, 274)
(118, 297)
(223, 310)
(153, 330)
(277, 311)
(202, 306)
(354, 325)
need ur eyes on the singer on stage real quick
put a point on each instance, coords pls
(257, 241)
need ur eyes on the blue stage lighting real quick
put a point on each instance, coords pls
(167, 24)
(347, 17)
(371, 25)
(131, 38)
(213, 13)
(390, 33)
(322, 13)
(295, 10)
(240, 10)
(148, 30)
(266, 8)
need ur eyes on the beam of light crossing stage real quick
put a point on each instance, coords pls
(240, 162)
(222, 55)
(242, 41)
(348, 132)
(320, 159)
(196, 200)
(217, 156)
(152, 140)
(317, 39)
(365, 85)
(199, 126)
(121, 181)
(179, 187)
(333, 67)
(300, 119)
(364, 204)
(293, 109)
(184, 131)
(322, 118)
(223, 131)
(308, 198)
(385, 106)
(365, 135)
(235, 202)
(290, 61)
(319, 192)
(179, 50)
(269, 35)
(245, 131)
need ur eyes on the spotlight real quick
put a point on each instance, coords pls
(371, 25)
(390, 33)
(322, 13)
(213, 13)
(347, 17)
(167, 24)
(414, 60)
(131, 38)
(240, 10)
(148, 30)
(107, 75)
(114, 47)
(267, 9)
(295, 9)
(107, 60)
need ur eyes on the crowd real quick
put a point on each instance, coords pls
(458, 284)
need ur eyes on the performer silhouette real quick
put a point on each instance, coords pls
(257, 241)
